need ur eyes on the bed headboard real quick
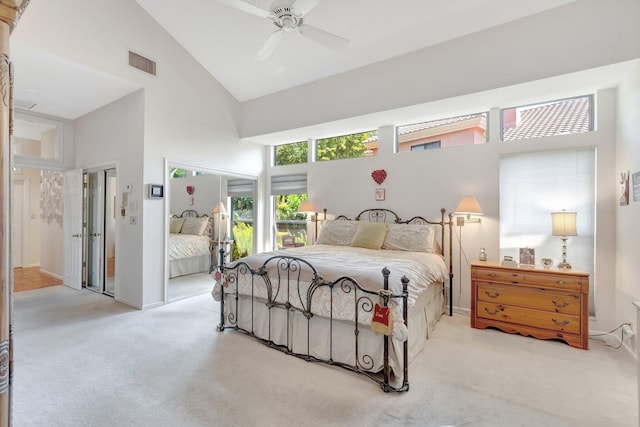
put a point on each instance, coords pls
(446, 233)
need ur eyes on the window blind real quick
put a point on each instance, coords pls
(532, 186)
(240, 187)
(288, 184)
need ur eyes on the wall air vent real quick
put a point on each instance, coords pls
(142, 63)
(24, 104)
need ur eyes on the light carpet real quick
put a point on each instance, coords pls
(83, 359)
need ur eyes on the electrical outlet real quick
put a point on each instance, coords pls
(627, 328)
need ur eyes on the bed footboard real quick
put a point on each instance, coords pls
(288, 306)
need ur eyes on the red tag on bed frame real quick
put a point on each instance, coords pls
(381, 320)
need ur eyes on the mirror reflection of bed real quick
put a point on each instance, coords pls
(200, 205)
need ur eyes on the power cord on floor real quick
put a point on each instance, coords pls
(620, 328)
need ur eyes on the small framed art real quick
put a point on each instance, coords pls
(380, 194)
(156, 191)
(527, 257)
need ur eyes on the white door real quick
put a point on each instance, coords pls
(73, 228)
(95, 229)
(18, 221)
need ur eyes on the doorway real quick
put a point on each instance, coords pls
(99, 231)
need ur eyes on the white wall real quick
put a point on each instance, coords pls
(205, 196)
(420, 183)
(627, 230)
(187, 117)
(101, 143)
(581, 35)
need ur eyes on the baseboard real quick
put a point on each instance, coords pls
(129, 303)
(57, 276)
(462, 310)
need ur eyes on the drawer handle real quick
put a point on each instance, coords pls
(563, 305)
(563, 323)
(498, 310)
(492, 275)
(492, 295)
(561, 282)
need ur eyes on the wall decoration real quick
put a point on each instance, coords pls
(190, 189)
(624, 188)
(379, 176)
(635, 179)
(380, 194)
(51, 203)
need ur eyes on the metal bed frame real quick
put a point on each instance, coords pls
(288, 273)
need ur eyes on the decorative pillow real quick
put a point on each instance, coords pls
(369, 235)
(337, 232)
(175, 225)
(195, 226)
(410, 237)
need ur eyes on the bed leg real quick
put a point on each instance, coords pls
(387, 369)
(405, 310)
(220, 326)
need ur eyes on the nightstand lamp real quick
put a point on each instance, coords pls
(564, 224)
(468, 206)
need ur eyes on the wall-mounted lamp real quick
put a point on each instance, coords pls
(307, 208)
(564, 224)
(221, 211)
(468, 206)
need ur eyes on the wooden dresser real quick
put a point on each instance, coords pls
(543, 303)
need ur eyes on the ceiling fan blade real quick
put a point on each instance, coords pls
(304, 6)
(322, 37)
(269, 46)
(246, 7)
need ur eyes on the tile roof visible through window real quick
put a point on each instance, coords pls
(564, 117)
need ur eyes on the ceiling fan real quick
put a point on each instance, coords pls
(287, 19)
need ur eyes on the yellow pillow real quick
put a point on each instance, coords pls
(369, 235)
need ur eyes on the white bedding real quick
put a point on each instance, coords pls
(187, 246)
(188, 254)
(332, 262)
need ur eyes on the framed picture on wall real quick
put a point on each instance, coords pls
(380, 194)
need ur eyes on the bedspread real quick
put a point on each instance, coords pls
(187, 246)
(333, 262)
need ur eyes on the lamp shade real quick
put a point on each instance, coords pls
(468, 206)
(219, 208)
(306, 207)
(564, 223)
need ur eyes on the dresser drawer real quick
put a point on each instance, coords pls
(524, 277)
(568, 303)
(525, 316)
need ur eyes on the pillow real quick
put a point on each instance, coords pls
(175, 225)
(194, 226)
(369, 235)
(410, 237)
(337, 232)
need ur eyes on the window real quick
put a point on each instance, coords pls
(241, 192)
(348, 146)
(287, 192)
(562, 117)
(453, 131)
(534, 185)
(291, 154)
(426, 146)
